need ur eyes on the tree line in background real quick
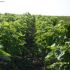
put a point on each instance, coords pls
(34, 42)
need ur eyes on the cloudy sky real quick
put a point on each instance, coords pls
(44, 7)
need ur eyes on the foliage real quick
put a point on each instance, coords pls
(34, 42)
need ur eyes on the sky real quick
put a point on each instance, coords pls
(41, 7)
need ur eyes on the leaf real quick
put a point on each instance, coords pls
(3, 53)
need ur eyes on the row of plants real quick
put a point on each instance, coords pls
(34, 42)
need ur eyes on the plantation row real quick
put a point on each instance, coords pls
(34, 42)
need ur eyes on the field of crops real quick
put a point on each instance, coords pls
(34, 42)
